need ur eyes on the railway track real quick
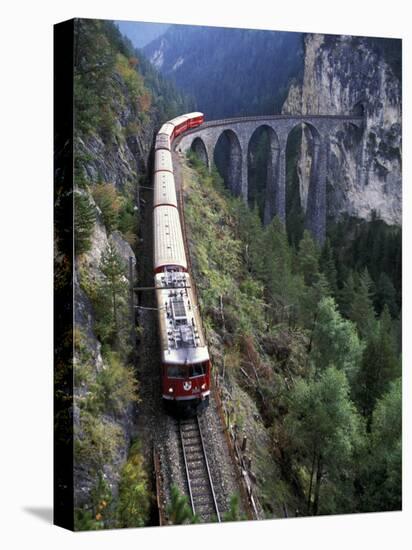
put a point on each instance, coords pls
(199, 480)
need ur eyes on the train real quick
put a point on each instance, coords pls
(185, 361)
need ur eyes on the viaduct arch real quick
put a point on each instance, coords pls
(239, 132)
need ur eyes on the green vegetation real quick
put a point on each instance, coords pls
(179, 511)
(131, 509)
(234, 514)
(311, 335)
(117, 210)
(99, 512)
(106, 393)
(134, 495)
(108, 200)
(323, 427)
(110, 73)
(84, 220)
(96, 92)
(114, 285)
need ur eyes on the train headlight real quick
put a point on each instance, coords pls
(170, 390)
(203, 386)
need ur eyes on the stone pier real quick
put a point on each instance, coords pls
(239, 132)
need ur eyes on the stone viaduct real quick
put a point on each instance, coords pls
(239, 132)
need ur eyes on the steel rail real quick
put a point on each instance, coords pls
(209, 475)
(206, 470)
(186, 468)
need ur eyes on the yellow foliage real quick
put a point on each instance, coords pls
(133, 80)
(145, 102)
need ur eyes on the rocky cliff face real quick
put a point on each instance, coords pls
(122, 425)
(117, 160)
(344, 75)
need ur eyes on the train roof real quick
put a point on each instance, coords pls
(167, 129)
(168, 239)
(181, 333)
(163, 160)
(195, 114)
(164, 189)
(178, 120)
(162, 142)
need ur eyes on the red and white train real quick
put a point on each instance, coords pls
(185, 357)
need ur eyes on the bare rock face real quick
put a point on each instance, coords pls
(345, 75)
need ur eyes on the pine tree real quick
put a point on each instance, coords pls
(386, 295)
(277, 260)
(113, 269)
(362, 311)
(84, 220)
(308, 258)
(334, 341)
(378, 368)
(328, 267)
(381, 467)
(347, 295)
(250, 233)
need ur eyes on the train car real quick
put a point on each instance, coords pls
(164, 189)
(195, 119)
(163, 161)
(169, 249)
(164, 137)
(185, 357)
(180, 124)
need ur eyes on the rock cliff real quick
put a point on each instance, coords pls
(344, 75)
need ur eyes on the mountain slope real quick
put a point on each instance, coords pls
(229, 72)
(141, 33)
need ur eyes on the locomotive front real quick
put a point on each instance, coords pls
(185, 357)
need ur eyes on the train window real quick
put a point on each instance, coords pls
(176, 371)
(197, 370)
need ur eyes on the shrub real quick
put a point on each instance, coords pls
(97, 441)
(134, 496)
(107, 199)
(234, 514)
(178, 510)
(127, 218)
(99, 514)
(117, 385)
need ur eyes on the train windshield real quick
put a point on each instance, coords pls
(187, 371)
(198, 369)
(177, 371)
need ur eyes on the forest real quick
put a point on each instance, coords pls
(229, 72)
(317, 332)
